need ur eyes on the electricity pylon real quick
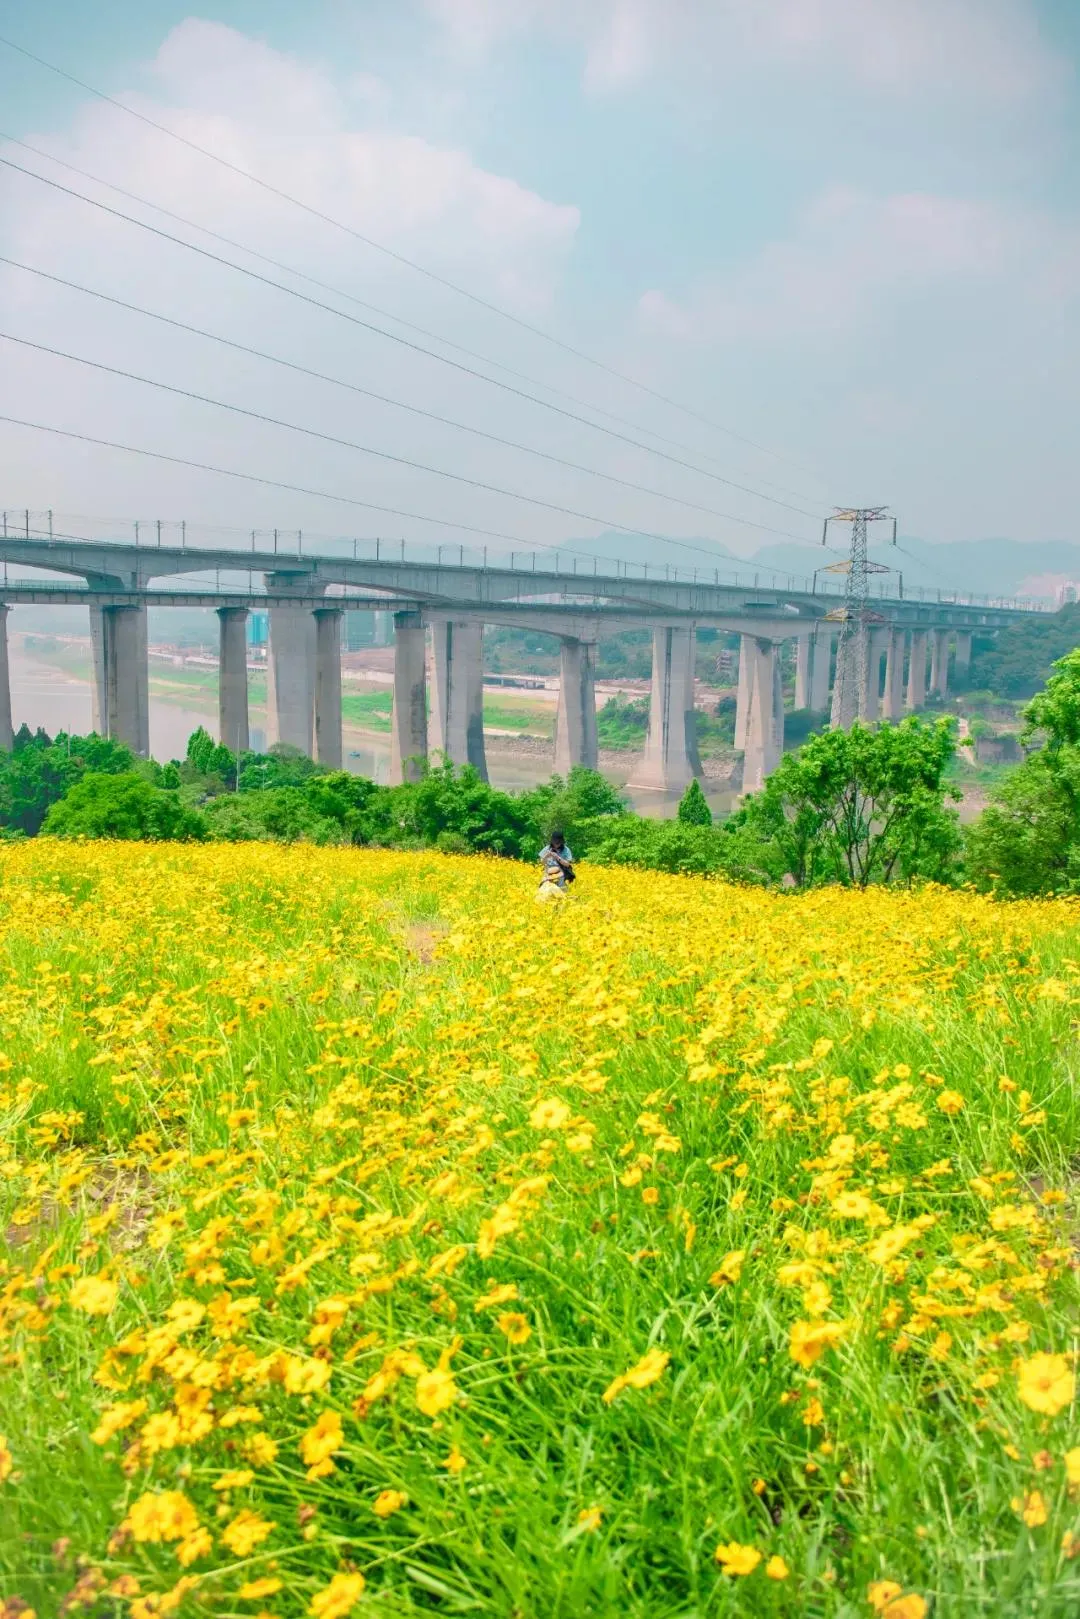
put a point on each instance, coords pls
(849, 698)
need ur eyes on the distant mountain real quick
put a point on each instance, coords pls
(991, 567)
(994, 567)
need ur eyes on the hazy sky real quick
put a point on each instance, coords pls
(847, 232)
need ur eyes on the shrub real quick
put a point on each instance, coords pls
(123, 806)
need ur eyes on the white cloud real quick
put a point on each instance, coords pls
(284, 121)
(853, 259)
(990, 47)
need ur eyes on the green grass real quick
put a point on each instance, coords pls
(287, 1049)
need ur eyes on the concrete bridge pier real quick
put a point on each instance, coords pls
(7, 732)
(876, 645)
(939, 662)
(804, 653)
(916, 680)
(821, 669)
(232, 679)
(328, 745)
(670, 761)
(892, 707)
(745, 692)
(121, 688)
(457, 692)
(290, 665)
(962, 658)
(765, 719)
(575, 723)
(408, 724)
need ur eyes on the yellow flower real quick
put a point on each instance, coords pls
(455, 1462)
(776, 1568)
(1072, 1465)
(880, 1592)
(950, 1102)
(729, 1269)
(338, 1598)
(810, 1339)
(589, 1519)
(246, 1531)
(885, 1598)
(549, 1115)
(387, 1502)
(234, 1478)
(911, 1606)
(651, 1366)
(497, 1293)
(94, 1295)
(115, 1418)
(193, 1546)
(514, 1326)
(259, 1449)
(161, 1515)
(256, 1589)
(7, 1461)
(1032, 1508)
(435, 1391)
(1046, 1383)
(813, 1413)
(737, 1560)
(319, 1443)
(890, 1243)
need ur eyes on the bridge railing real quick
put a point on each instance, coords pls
(560, 560)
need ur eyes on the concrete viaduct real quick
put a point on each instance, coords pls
(911, 643)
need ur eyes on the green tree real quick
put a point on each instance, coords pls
(1027, 840)
(693, 806)
(123, 806)
(37, 773)
(860, 806)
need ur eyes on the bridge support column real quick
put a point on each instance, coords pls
(804, 650)
(670, 761)
(7, 731)
(822, 667)
(290, 665)
(916, 680)
(121, 683)
(746, 690)
(232, 679)
(328, 749)
(575, 723)
(457, 692)
(939, 662)
(765, 720)
(876, 644)
(962, 660)
(408, 724)
(893, 704)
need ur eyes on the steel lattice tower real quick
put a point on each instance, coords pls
(853, 646)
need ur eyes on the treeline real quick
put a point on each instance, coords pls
(851, 807)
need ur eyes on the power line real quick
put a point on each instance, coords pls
(418, 348)
(369, 393)
(424, 331)
(346, 444)
(270, 483)
(380, 247)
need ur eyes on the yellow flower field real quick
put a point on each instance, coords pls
(379, 1242)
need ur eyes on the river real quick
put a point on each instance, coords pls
(45, 695)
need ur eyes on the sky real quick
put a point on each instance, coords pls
(816, 252)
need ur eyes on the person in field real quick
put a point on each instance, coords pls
(556, 867)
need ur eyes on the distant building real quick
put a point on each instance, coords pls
(258, 627)
(1067, 593)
